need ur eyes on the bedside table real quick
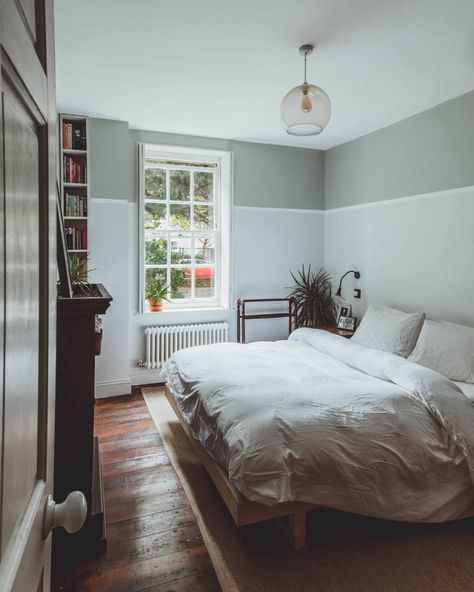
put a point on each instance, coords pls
(333, 329)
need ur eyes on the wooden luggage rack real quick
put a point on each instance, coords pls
(243, 316)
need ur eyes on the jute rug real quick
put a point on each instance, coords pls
(345, 553)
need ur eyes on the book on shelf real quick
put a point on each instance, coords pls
(74, 170)
(74, 135)
(75, 205)
(76, 238)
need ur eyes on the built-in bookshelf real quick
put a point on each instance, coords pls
(75, 185)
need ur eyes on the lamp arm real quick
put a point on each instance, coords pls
(356, 275)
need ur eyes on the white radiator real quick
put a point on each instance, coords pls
(163, 341)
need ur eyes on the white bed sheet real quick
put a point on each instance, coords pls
(320, 419)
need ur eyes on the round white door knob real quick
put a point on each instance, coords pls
(71, 514)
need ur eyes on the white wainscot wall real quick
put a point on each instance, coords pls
(268, 244)
(414, 253)
(109, 246)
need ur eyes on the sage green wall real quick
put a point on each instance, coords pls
(430, 151)
(109, 162)
(265, 175)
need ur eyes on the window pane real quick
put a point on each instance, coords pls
(180, 185)
(181, 283)
(205, 281)
(181, 249)
(180, 217)
(156, 251)
(203, 186)
(155, 216)
(152, 276)
(155, 183)
(203, 217)
(204, 249)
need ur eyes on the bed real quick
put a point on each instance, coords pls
(320, 421)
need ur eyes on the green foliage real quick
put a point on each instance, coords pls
(78, 272)
(156, 290)
(203, 186)
(78, 268)
(156, 251)
(155, 183)
(180, 185)
(313, 299)
(177, 282)
(155, 214)
(156, 277)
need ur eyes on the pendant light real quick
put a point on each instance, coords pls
(305, 109)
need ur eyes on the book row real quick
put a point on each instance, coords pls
(74, 135)
(74, 171)
(75, 205)
(76, 238)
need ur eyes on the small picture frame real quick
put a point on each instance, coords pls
(346, 322)
(345, 311)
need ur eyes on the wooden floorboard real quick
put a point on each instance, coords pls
(154, 543)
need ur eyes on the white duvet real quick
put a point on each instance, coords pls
(324, 420)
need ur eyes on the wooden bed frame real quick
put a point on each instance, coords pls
(290, 516)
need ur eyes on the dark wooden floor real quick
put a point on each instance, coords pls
(154, 543)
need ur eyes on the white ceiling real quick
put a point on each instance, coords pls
(220, 68)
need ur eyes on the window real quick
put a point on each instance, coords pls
(185, 225)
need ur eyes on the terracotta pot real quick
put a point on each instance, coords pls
(155, 305)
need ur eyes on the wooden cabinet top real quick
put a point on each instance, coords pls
(86, 304)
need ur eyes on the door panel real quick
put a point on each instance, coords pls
(28, 289)
(21, 396)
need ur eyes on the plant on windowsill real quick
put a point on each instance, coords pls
(155, 292)
(313, 299)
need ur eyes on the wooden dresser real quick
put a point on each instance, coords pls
(76, 453)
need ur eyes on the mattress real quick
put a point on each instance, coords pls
(323, 420)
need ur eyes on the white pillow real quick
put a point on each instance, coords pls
(447, 348)
(389, 329)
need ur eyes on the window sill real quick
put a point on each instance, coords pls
(167, 311)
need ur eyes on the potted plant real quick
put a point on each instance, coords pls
(313, 299)
(78, 272)
(82, 288)
(156, 291)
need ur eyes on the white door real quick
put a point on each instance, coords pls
(27, 290)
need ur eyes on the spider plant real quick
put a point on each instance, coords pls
(155, 292)
(312, 297)
(78, 272)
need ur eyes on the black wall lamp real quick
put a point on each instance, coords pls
(356, 275)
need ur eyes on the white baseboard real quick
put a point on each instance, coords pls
(115, 388)
(145, 376)
(112, 388)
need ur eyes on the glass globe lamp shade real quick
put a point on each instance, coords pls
(305, 110)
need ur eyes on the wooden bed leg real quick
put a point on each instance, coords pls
(297, 530)
(294, 529)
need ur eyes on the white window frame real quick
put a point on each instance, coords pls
(222, 212)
